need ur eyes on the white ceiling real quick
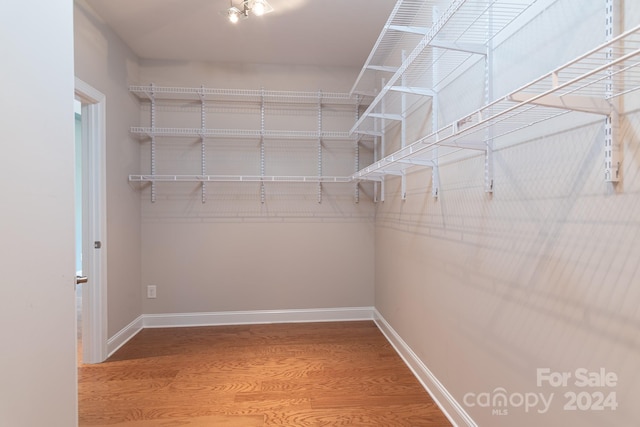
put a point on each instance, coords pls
(297, 32)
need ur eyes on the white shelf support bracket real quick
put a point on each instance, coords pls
(262, 159)
(378, 189)
(403, 126)
(262, 190)
(435, 176)
(356, 195)
(435, 171)
(476, 48)
(356, 159)
(152, 98)
(435, 122)
(383, 139)
(203, 127)
(612, 154)
(376, 186)
(397, 117)
(409, 29)
(488, 167)
(488, 99)
(413, 90)
(383, 68)
(403, 190)
(612, 144)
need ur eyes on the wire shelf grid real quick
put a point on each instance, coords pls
(587, 84)
(459, 35)
(242, 133)
(245, 95)
(238, 178)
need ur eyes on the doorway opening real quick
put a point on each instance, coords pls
(77, 113)
(92, 295)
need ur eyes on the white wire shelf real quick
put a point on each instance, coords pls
(458, 36)
(241, 133)
(588, 84)
(258, 101)
(385, 55)
(245, 95)
(238, 178)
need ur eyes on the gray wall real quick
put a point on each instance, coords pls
(485, 289)
(37, 273)
(233, 252)
(543, 273)
(103, 61)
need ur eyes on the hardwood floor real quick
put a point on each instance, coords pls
(295, 375)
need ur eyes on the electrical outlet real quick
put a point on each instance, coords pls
(151, 291)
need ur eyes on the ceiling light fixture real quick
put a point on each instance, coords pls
(247, 8)
(258, 7)
(233, 14)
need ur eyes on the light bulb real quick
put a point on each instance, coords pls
(233, 15)
(258, 8)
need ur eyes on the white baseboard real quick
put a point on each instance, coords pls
(124, 335)
(449, 406)
(256, 317)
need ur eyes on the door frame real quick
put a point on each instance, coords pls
(94, 223)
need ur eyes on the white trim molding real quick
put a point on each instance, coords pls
(94, 222)
(445, 401)
(124, 335)
(176, 320)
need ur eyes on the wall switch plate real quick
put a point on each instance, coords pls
(151, 291)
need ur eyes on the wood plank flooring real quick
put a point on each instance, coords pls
(294, 375)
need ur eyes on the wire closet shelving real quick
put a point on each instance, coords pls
(261, 100)
(244, 96)
(590, 83)
(460, 33)
(421, 60)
